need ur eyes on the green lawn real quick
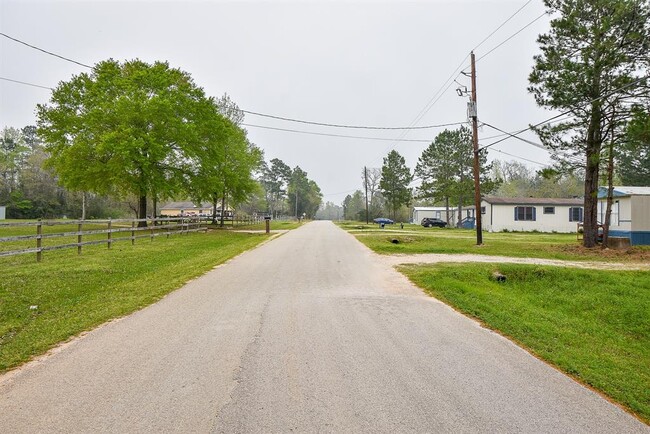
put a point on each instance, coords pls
(417, 239)
(275, 225)
(594, 325)
(76, 293)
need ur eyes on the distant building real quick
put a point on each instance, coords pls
(630, 213)
(527, 214)
(3, 212)
(188, 208)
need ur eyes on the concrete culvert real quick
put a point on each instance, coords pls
(394, 241)
(498, 277)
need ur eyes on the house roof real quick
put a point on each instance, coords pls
(624, 191)
(186, 205)
(430, 208)
(550, 201)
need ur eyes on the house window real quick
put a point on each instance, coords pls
(575, 214)
(549, 210)
(525, 213)
(482, 210)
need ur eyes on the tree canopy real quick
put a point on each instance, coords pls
(146, 130)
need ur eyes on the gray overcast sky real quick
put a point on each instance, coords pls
(361, 63)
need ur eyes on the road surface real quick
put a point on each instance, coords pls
(310, 332)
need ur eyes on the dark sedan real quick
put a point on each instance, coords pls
(428, 222)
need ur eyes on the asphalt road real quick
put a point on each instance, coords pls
(310, 332)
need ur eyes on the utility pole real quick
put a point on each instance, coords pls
(477, 184)
(365, 175)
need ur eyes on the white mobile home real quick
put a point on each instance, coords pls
(630, 213)
(526, 214)
(439, 212)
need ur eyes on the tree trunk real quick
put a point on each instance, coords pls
(155, 208)
(83, 205)
(610, 193)
(223, 208)
(459, 217)
(594, 140)
(215, 199)
(142, 211)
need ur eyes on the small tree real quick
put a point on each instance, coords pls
(395, 180)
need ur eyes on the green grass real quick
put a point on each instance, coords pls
(414, 239)
(594, 325)
(77, 293)
(275, 225)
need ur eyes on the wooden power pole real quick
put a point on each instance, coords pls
(365, 175)
(477, 178)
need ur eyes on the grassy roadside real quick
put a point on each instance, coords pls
(414, 239)
(593, 325)
(77, 293)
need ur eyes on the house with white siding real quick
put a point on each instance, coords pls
(630, 216)
(527, 214)
(440, 212)
(3, 211)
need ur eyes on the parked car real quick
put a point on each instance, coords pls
(384, 220)
(427, 222)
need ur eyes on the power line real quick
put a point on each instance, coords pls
(25, 83)
(45, 51)
(521, 158)
(502, 24)
(511, 36)
(313, 133)
(632, 83)
(538, 145)
(436, 96)
(323, 124)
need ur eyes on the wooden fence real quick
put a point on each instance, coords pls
(43, 241)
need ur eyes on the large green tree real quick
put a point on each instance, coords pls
(125, 129)
(590, 64)
(395, 180)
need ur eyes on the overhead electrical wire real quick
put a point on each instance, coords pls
(445, 86)
(313, 133)
(502, 24)
(572, 159)
(25, 83)
(521, 158)
(45, 51)
(630, 84)
(511, 36)
(364, 127)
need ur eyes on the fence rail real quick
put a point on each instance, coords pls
(153, 228)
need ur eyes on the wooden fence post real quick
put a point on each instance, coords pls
(109, 232)
(39, 234)
(133, 233)
(79, 228)
(153, 222)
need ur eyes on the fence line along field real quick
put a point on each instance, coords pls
(36, 237)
